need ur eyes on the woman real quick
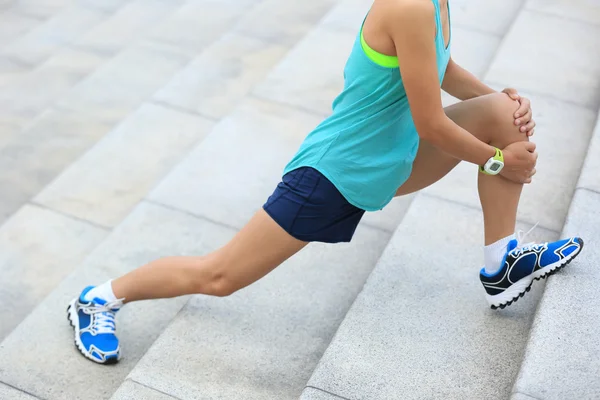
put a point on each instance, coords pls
(388, 136)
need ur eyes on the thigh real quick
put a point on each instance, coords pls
(489, 118)
(256, 250)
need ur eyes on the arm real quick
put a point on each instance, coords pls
(411, 25)
(462, 84)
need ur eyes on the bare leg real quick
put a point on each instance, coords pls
(490, 119)
(254, 252)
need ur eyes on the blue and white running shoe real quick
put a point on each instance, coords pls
(524, 263)
(94, 326)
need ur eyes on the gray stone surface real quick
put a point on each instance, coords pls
(547, 199)
(263, 342)
(36, 242)
(561, 361)
(52, 368)
(492, 16)
(35, 156)
(315, 85)
(40, 9)
(283, 22)
(583, 10)
(555, 67)
(590, 176)
(521, 396)
(13, 25)
(197, 24)
(9, 393)
(131, 390)
(347, 15)
(110, 179)
(61, 30)
(20, 96)
(228, 182)
(421, 327)
(217, 80)
(119, 86)
(128, 25)
(311, 393)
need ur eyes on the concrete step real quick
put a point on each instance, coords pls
(421, 327)
(444, 343)
(39, 356)
(561, 358)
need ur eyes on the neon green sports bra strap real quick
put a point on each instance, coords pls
(380, 59)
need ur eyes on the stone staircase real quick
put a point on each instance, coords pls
(135, 129)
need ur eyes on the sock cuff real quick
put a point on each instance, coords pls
(500, 243)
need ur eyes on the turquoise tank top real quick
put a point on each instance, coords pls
(366, 147)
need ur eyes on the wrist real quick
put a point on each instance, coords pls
(494, 164)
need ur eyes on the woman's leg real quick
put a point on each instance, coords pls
(490, 119)
(254, 252)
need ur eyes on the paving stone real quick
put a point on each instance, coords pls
(263, 342)
(131, 22)
(421, 328)
(559, 59)
(14, 25)
(64, 28)
(197, 24)
(120, 86)
(35, 156)
(310, 393)
(36, 242)
(231, 160)
(110, 179)
(521, 396)
(52, 368)
(315, 84)
(492, 16)
(105, 5)
(215, 82)
(589, 178)
(131, 390)
(22, 100)
(583, 10)
(9, 393)
(347, 15)
(474, 50)
(283, 22)
(547, 199)
(561, 361)
(40, 9)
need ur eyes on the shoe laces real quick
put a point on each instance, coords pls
(104, 316)
(521, 245)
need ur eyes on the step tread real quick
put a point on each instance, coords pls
(422, 317)
(561, 357)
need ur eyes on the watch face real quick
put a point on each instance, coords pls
(495, 167)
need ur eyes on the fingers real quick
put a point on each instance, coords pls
(525, 119)
(528, 127)
(531, 132)
(524, 106)
(512, 93)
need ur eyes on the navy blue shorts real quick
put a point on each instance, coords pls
(310, 208)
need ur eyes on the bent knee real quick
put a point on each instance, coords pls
(502, 121)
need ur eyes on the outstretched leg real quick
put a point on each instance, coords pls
(254, 252)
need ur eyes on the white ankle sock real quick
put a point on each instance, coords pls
(103, 292)
(494, 254)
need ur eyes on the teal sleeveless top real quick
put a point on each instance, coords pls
(366, 147)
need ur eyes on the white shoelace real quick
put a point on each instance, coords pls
(104, 316)
(521, 246)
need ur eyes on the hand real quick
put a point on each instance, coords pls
(519, 162)
(524, 115)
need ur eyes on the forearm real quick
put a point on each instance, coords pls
(457, 142)
(462, 84)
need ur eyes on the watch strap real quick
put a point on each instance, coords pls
(498, 156)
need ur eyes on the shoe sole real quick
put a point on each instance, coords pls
(522, 286)
(72, 317)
